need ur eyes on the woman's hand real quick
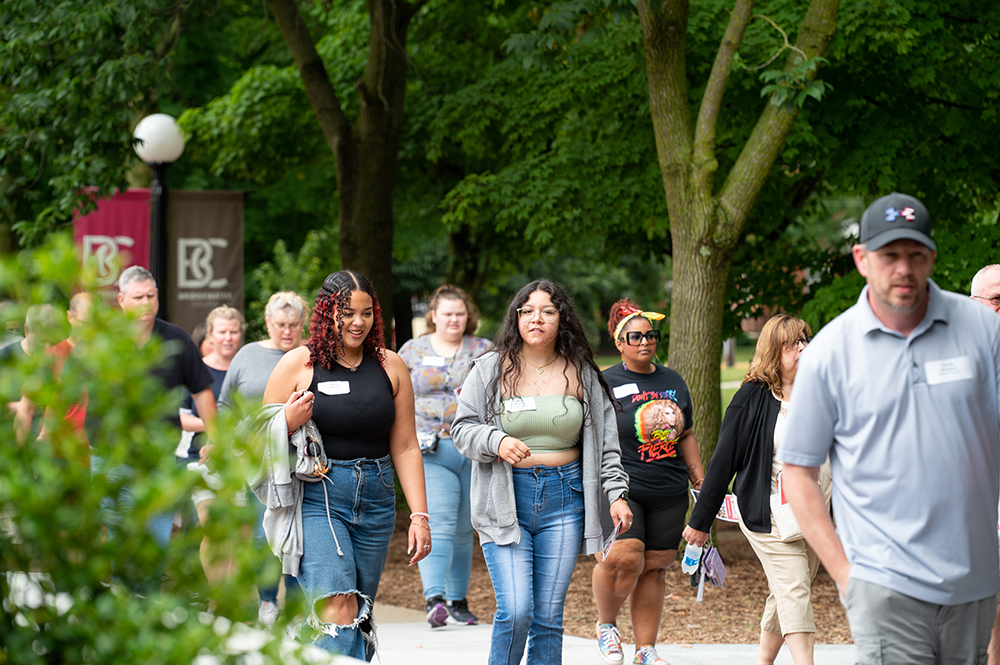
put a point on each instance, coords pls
(695, 537)
(298, 409)
(514, 450)
(621, 513)
(418, 540)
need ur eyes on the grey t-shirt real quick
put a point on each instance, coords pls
(911, 425)
(248, 373)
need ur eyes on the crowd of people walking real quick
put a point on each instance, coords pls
(524, 441)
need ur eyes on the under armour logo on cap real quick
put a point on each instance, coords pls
(896, 217)
(906, 213)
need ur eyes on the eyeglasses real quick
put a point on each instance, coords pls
(994, 301)
(289, 327)
(528, 313)
(634, 337)
(804, 341)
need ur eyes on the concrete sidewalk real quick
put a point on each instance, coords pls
(406, 639)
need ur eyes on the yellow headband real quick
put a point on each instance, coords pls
(652, 316)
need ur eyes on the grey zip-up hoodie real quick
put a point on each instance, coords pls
(494, 514)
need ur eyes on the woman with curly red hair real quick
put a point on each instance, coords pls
(359, 396)
(660, 455)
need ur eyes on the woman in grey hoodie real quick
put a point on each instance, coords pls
(537, 420)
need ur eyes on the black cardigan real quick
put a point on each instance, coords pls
(746, 450)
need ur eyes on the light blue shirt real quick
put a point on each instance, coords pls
(911, 426)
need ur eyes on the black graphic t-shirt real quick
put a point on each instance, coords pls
(656, 410)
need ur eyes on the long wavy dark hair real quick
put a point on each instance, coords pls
(571, 343)
(326, 339)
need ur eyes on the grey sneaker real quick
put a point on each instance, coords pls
(459, 614)
(437, 613)
(267, 614)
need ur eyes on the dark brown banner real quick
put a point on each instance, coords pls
(205, 254)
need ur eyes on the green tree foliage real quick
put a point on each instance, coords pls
(73, 75)
(68, 587)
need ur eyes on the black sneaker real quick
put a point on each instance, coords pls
(459, 614)
(437, 613)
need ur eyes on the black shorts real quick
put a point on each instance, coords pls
(657, 521)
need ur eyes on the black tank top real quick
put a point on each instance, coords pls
(355, 420)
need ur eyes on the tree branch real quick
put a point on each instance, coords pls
(711, 102)
(753, 166)
(322, 97)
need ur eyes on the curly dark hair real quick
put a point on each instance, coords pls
(571, 343)
(326, 338)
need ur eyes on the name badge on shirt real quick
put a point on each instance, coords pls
(625, 390)
(433, 361)
(515, 404)
(334, 387)
(948, 370)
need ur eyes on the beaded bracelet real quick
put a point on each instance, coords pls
(421, 516)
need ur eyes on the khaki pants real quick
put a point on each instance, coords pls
(790, 568)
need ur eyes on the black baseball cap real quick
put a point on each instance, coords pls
(896, 217)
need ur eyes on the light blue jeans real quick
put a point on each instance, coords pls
(445, 571)
(531, 577)
(346, 527)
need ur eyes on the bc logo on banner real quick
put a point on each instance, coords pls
(194, 263)
(102, 252)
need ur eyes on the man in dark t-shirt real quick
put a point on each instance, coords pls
(138, 293)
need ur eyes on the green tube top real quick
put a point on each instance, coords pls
(552, 426)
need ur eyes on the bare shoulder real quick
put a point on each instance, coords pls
(394, 364)
(294, 359)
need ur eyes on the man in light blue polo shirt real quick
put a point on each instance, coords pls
(902, 391)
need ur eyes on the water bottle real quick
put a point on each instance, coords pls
(692, 555)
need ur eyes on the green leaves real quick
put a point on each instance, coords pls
(789, 88)
(68, 588)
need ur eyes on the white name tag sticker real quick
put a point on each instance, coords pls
(334, 387)
(433, 361)
(625, 390)
(515, 404)
(948, 370)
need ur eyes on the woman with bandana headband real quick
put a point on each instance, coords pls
(660, 455)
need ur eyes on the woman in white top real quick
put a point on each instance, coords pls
(751, 434)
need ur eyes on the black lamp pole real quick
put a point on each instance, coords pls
(158, 233)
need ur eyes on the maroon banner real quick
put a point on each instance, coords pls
(114, 237)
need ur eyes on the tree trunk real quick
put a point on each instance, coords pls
(704, 225)
(366, 155)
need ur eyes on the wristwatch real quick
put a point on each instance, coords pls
(624, 495)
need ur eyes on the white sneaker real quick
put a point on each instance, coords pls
(267, 614)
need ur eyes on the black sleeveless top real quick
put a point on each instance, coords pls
(354, 411)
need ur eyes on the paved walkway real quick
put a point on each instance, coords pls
(406, 639)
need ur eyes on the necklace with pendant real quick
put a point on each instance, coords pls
(539, 368)
(354, 367)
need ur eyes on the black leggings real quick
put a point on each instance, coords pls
(657, 521)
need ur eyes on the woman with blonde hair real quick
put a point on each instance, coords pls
(285, 316)
(751, 434)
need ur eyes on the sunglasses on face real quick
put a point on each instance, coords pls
(634, 338)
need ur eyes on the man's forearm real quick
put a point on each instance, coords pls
(809, 507)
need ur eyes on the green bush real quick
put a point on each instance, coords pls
(70, 593)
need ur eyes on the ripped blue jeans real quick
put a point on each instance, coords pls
(346, 528)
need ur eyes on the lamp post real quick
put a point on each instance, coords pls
(159, 143)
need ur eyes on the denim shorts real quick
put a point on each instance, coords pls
(347, 523)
